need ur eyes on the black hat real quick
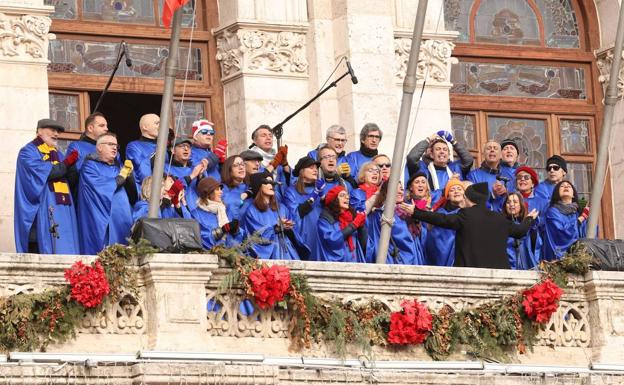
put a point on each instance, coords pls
(508, 142)
(304, 162)
(206, 186)
(251, 155)
(257, 180)
(478, 193)
(50, 123)
(417, 174)
(559, 161)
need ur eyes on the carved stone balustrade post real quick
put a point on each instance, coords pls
(175, 300)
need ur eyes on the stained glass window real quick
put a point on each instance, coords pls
(464, 129)
(529, 135)
(119, 11)
(98, 58)
(581, 175)
(574, 136)
(472, 78)
(560, 26)
(185, 114)
(64, 109)
(506, 22)
(457, 17)
(63, 9)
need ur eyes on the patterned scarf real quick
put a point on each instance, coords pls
(59, 187)
(344, 219)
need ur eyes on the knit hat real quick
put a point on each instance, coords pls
(206, 186)
(257, 180)
(529, 171)
(201, 124)
(332, 194)
(50, 123)
(304, 162)
(507, 142)
(251, 155)
(559, 161)
(452, 182)
(417, 174)
(478, 193)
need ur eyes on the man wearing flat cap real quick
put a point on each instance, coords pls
(44, 211)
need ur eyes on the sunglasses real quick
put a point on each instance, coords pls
(384, 165)
(206, 131)
(553, 167)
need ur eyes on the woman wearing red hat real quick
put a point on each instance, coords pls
(342, 236)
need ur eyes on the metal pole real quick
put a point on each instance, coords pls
(165, 108)
(605, 132)
(409, 85)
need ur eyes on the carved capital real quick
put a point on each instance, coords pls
(604, 62)
(246, 50)
(434, 59)
(24, 37)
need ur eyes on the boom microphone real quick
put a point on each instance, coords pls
(125, 51)
(353, 78)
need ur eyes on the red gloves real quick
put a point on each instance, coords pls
(220, 150)
(174, 192)
(230, 227)
(359, 219)
(71, 159)
(280, 157)
(585, 213)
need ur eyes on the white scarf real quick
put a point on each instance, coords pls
(215, 208)
(434, 175)
(267, 157)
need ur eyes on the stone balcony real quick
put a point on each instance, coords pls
(170, 318)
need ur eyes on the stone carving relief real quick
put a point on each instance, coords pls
(17, 288)
(127, 316)
(267, 52)
(24, 37)
(434, 59)
(568, 327)
(604, 62)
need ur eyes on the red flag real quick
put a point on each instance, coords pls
(169, 7)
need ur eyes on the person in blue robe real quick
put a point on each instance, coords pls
(509, 161)
(404, 248)
(106, 194)
(303, 200)
(370, 137)
(272, 222)
(336, 137)
(564, 222)
(95, 126)
(490, 173)
(556, 170)
(419, 195)
(523, 253)
(142, 148)
(526, 181)
(328, 170)
(276, 162)
(168, 209)
(182, 168)
(203, 133)
(44, 211)
(341, 233)
(210, 213)
(233, 174)
(433, 157)
(440, 243)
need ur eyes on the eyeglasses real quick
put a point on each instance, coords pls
(373, 170)
(111, 144)
(338, 140)
(238, 164)
(369, 136)
(327, 157)
(384, 165)
(523, 177)
(206, 131)
(553, 167)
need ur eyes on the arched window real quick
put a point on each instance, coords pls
(527, 71)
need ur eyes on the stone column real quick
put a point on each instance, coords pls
(175, 300)
(261, 47)
(616, 158)
(24, 26)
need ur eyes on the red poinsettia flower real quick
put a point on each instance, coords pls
(410, 325)
(541, 301)
(88, 284)
(269, 285)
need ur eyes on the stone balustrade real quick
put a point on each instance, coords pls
(171, 316)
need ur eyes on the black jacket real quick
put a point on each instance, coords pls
(481, 235)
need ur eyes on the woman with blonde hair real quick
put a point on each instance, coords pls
(172, 201)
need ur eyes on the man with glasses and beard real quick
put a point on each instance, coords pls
(328, 170)
(557, 169)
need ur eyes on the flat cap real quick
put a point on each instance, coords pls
(251, 155)
(50, 123)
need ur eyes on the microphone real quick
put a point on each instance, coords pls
(353, 78)
(124, 46)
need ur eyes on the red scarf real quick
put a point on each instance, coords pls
(369, 189)
(344, 219)
(525, 196)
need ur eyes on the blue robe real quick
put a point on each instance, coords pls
(560, 232)
(441, 173)
(104, 210)
(33, 199)
(485, 174)
(141, 208)
(279, 246)
(509, 172)
(408, 250)
(440, 244)
(522, 255)
(306, 225)
(179, 171)
(207, 223)
(139, 150)
(545, 190)
(356, 160)
(232, 200)
(331, 245)
(198, 153)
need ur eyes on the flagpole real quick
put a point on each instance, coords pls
(171, 68)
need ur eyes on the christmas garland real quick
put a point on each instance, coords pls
(489, 330)
(31, 321)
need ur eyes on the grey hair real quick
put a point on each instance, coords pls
(101, 137)
(335, 129)
(369, 127)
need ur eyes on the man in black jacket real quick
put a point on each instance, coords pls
(481, 237)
